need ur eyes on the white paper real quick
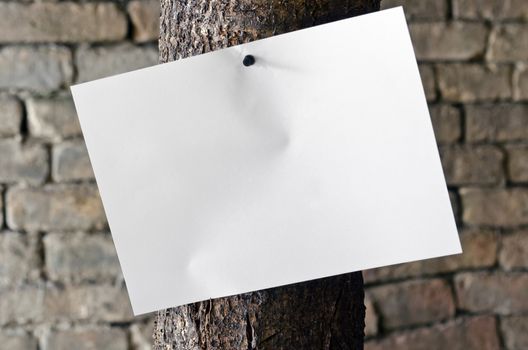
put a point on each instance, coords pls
(319, 159)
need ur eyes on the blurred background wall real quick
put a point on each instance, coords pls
(60, 282)
(473, 58)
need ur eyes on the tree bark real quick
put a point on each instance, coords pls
(326, 313)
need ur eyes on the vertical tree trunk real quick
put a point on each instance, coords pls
(322, 314)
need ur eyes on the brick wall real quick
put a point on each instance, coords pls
(473, 57)
(60, 282)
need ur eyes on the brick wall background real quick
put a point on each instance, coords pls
(473, 58)
(60, 282)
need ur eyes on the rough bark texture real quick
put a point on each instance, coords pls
(321, 314)
(190, 27)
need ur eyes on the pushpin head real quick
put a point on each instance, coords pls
(249, 60)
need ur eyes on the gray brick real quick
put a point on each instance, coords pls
(22, 162)
(61, 22)
(446, 123)
(1, 206)
(490, 9)
(515, 332)
(141, 335)
(40, 69)
(371, 318)
(419, 9)
(518, 163)
(94, 63)
(480, 251)
(32, 304)
(10, 117)
(509, 42)
(18, 259)
(428, 81)
(52, 119)
(79, 257)
(495, 207)
(22, 305)
(448, 41)
(70, 161)
(87, 303)
(497, 292)
(413, 302)
(473, 82)
(57, 207)
(145, 17)
(520, 83)
(474, 165)
(499, 122)
(468, 333)
(17, 340)
(514, 251)
(88, 338)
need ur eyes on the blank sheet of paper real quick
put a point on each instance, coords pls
(319, 159)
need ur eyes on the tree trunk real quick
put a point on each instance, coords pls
(326, 313)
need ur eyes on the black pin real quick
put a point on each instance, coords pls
(249, 60)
